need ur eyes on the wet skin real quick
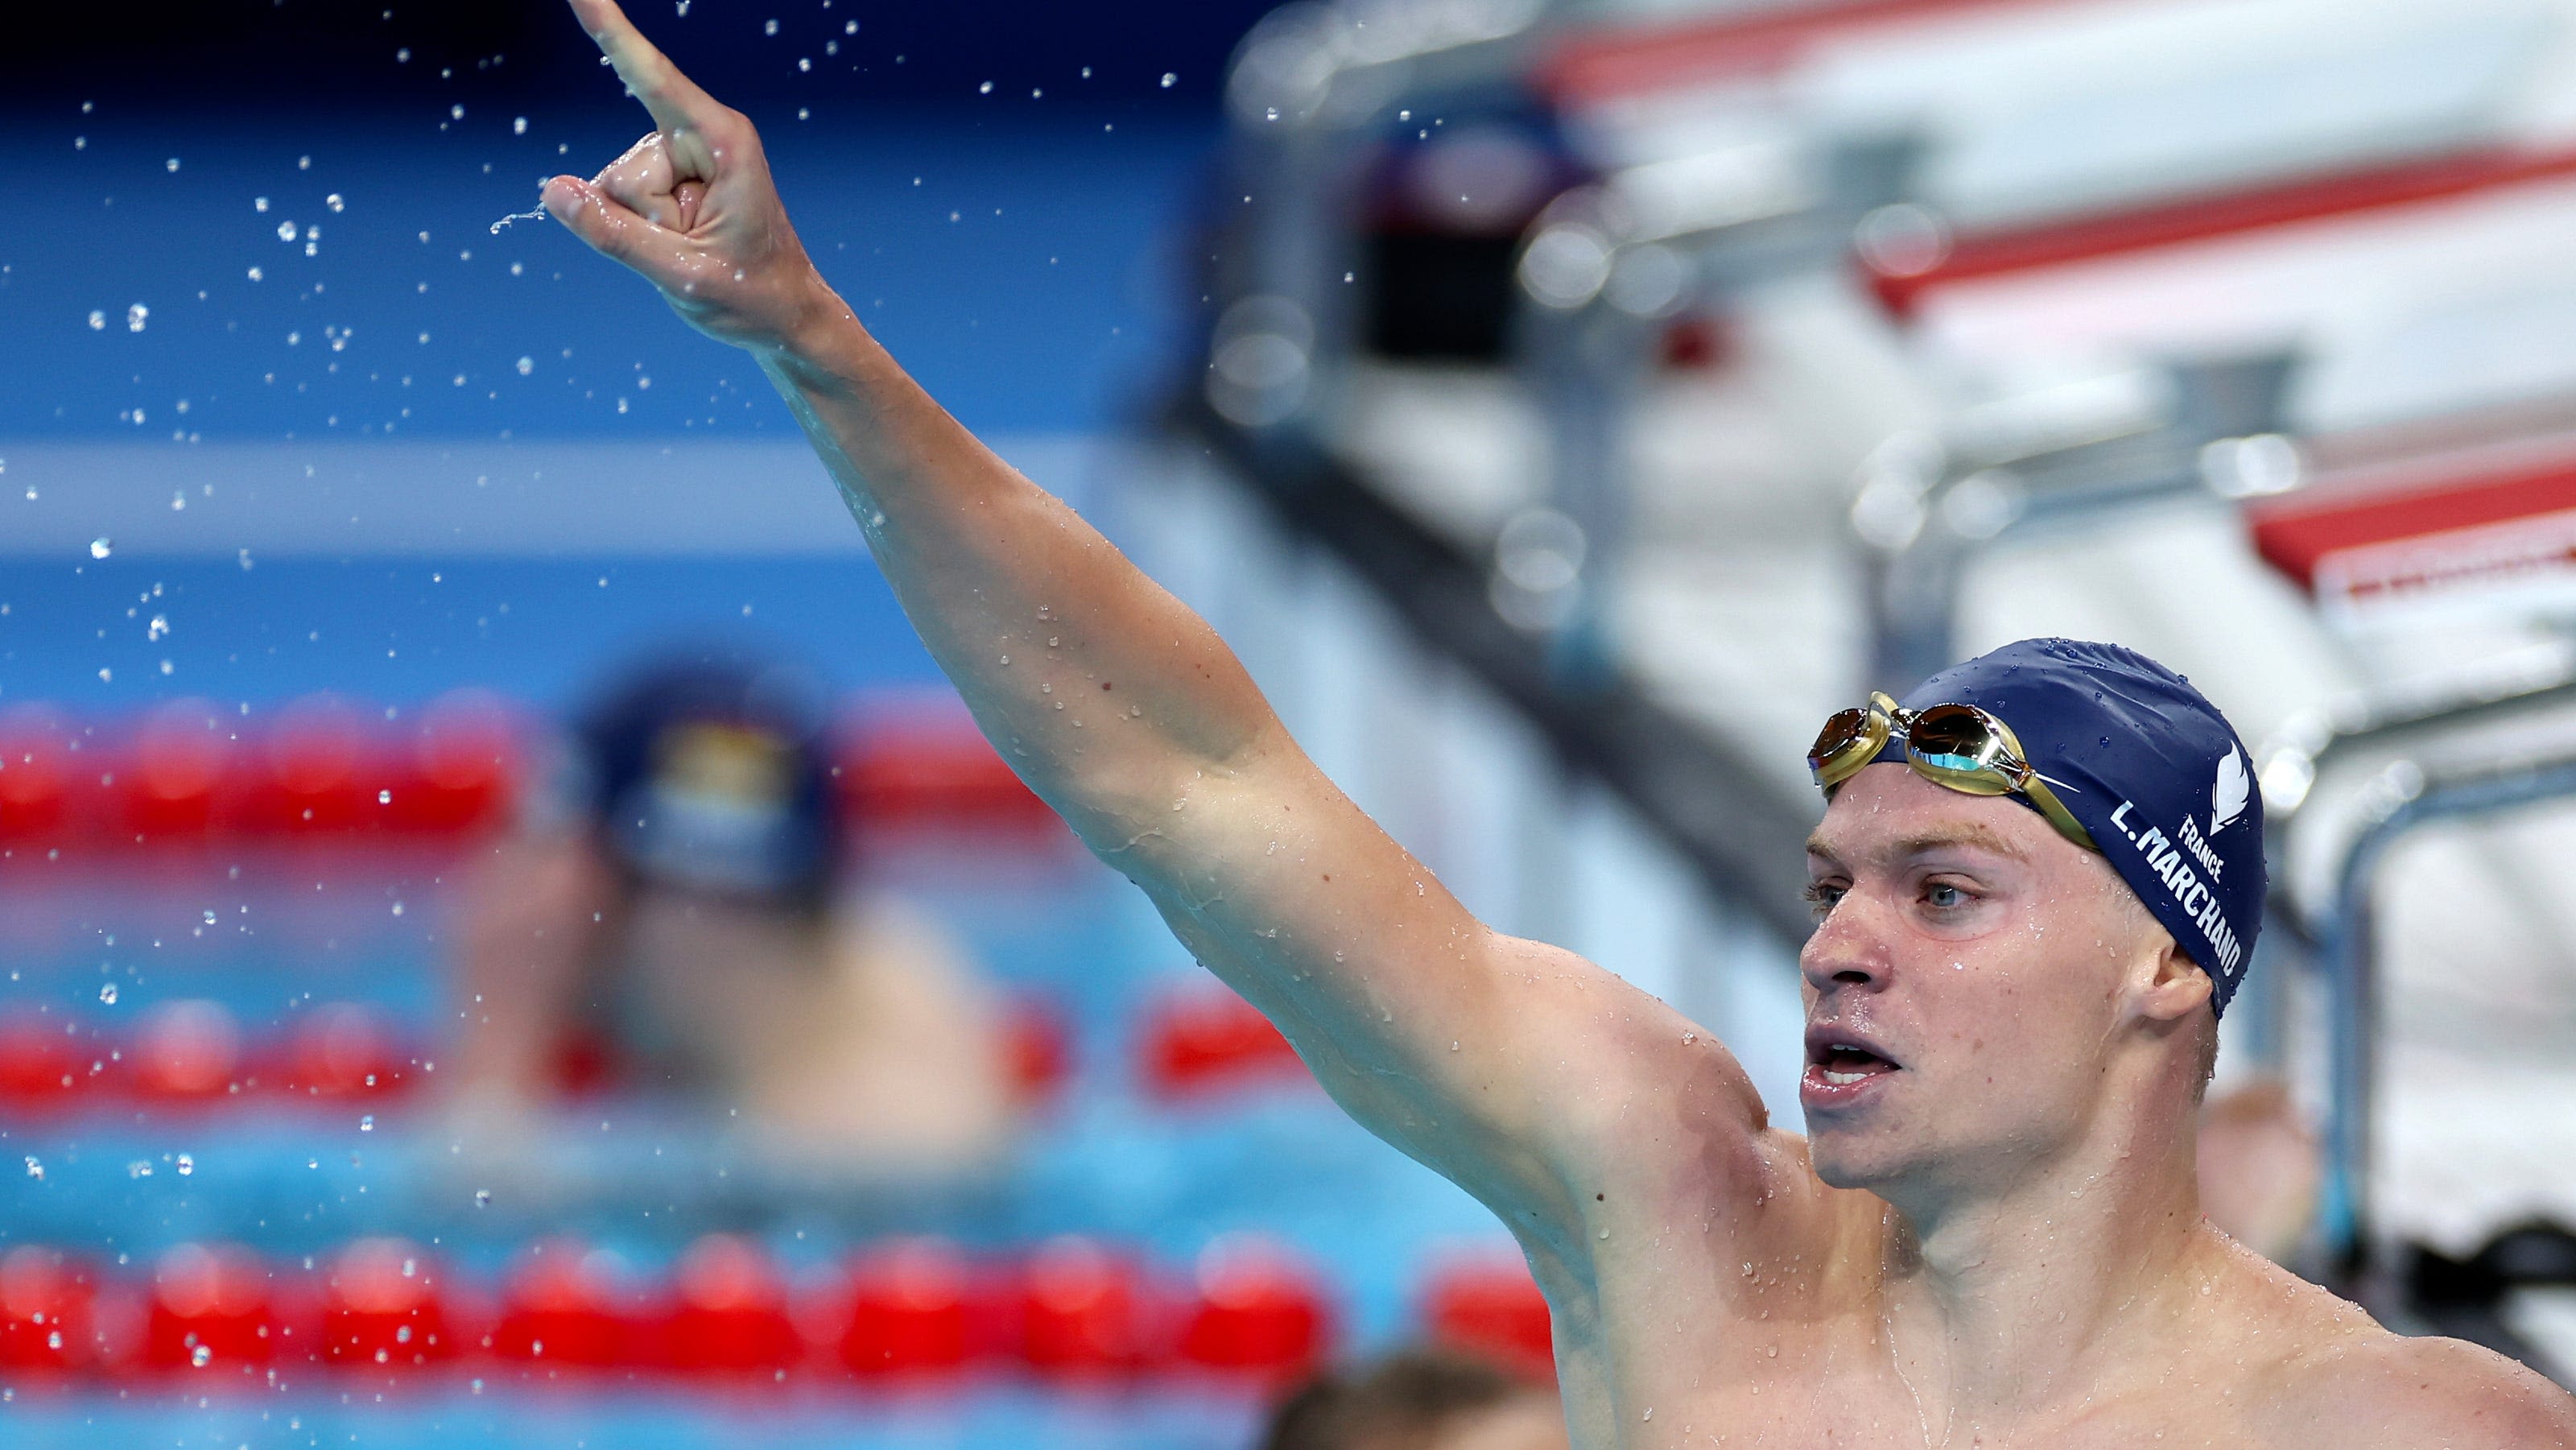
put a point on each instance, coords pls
(1996, 1243)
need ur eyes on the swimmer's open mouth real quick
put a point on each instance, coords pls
(1840, 1057)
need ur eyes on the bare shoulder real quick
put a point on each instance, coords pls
(2375, 1388)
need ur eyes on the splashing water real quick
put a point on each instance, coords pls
(534, 213)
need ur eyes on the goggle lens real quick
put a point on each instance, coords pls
(1844, 730)
(1963, 750)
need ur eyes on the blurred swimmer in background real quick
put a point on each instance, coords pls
(1418, 1399)
(671, 916)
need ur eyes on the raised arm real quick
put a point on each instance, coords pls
(1492, 1059)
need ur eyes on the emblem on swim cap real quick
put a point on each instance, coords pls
(2227, 798)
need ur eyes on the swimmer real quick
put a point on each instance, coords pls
(1990, 1236)
(1417, 1399)
(674, 914)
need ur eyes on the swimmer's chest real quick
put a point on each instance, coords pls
(1870, 1410)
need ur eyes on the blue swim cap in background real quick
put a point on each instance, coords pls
(2148, 766)
(715, 777)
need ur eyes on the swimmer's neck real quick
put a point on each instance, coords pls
(2007, 1290)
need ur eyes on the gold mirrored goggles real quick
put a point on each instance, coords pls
(1961, 747)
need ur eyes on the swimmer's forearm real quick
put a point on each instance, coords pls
(1098, 685)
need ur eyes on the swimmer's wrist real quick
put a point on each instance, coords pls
(824, 343)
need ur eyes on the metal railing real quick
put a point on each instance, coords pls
(2403, 796)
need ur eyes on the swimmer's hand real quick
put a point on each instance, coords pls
(692, 206)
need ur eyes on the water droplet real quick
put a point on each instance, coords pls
(769, 27)
(107, 994)
(97, 320)
(526, 365)
(286, 231)
(135, 317)
(139, 1168)
(482, 1198)
(398, 908)
(35, 1168)
(201, 1356)
(386, 798)
(1170, 80)
(187, 1164)
(159, 626)
(210, 917)
(367, 1124)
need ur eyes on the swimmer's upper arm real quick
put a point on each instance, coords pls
(1508, 1065)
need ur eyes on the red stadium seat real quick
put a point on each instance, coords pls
(384, 1306)
(1607, 63)
(211, 1308)
(2449, 527)
(1084, 1311)
(568, 1304)
(1259, 1312)
(730, 1314)
(910, 1311)
(1491, 1306)
(45, 1311)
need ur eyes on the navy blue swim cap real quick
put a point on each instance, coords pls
(715, 777)
(2148, 766)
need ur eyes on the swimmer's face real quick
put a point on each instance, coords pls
(1969, 972)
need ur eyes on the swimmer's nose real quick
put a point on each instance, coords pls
(1843, 953)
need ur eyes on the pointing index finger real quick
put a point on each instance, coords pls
(674, 99)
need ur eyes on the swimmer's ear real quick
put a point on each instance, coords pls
(2176, 985)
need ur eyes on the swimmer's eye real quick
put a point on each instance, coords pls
(1945, 895)
(1821, 896)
